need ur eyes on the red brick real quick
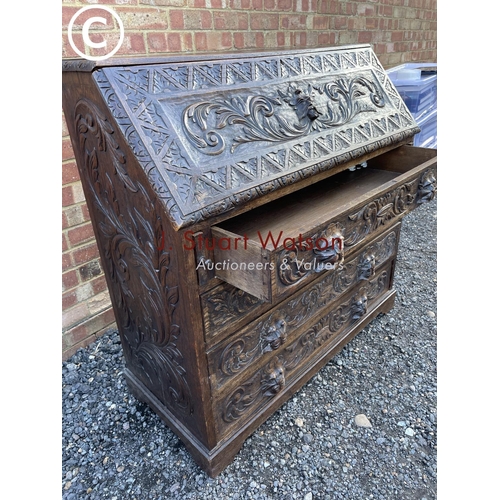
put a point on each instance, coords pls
(69, 280)
(67, 196)
(321, 22)
(74, 215)
(99, 284)
(80, 234)
(385, 10)
(339, 23)
(133, 43)
(257, 4)
(305, 6)
(112, 2)
(65, 245)
(67, 50)
(176, 19)
(91, 328)
(174, 42)
(218, 41)
(365, 9)
(259, 40)
(326, 38)
(269, 4)
(65, 131)
(397, 36)
(264, 21)
(200, 41)
(69, 12)
(294, 21)
(187, 42)
(349, 9)
(66, 261)
(333, 7)
(284, 5)
(157, 42)
(68, 300)
(70, 173)
(248, 40)
(364, 37)
(67, 150)
(142, 19)
(85, 254)
(230, 20)
(77, 335)
(239, 40)
(240, 4)
(190, 19)
(299, 39)
(371, 23)
(159, 3)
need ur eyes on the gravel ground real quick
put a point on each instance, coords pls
(114, 447)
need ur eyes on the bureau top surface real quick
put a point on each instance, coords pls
(215, 132)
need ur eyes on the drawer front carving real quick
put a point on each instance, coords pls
(294, 239)
(296, 266)
(270, 333)
(226, 307)
(258, 389)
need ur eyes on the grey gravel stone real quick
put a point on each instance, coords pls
(361, 420)
(114, 447)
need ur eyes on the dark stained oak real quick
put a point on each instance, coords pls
(187, 164)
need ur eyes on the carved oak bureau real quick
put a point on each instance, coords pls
(247, 209)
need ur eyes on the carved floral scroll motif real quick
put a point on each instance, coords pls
(224, 305)
(264, 118)
(130, 237)
(270, 380)
(294, 265)
(270, 333)
(357, 226)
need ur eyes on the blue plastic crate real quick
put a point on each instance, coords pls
(417, 85)
(427, 137)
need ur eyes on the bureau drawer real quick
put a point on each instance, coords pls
(227, 308)
(277, 328)
(276, 248)
(263, 383)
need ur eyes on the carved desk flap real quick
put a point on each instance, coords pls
(213, 134)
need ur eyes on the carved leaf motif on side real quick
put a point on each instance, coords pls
(130, 237)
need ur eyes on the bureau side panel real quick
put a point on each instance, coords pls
(145, 270)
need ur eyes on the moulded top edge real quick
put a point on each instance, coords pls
(84, 65)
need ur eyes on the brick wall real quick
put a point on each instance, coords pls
(399, 31)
